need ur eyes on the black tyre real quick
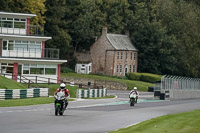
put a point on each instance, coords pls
(132, 102)
(56, 110)
(60, 113)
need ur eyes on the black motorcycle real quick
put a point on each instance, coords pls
(132, 99)
(60, 103)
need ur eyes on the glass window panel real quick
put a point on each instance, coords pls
(37, 70)
(24, 41)
(50, 71)
(7, 24)
(9, 18)
(4, 64)
(25, 71)
(23, 19)
(16, 19)
(10, 46)
(26, 68)
(32, 42)
(19, 25)
(47, 66)
(38, 42)
(3, 18)
(4, 45)
(21, 47)
(17, 41)
(26, 65)
(40, 66)
(33, 65)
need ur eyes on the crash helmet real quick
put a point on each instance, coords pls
(135, 88)
(62, 86)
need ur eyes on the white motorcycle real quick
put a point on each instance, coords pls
(60, 103)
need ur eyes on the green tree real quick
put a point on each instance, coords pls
(56, 27)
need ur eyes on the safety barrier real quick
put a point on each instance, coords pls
(91, 93)
(23, 93)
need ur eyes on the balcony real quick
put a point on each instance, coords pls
(21, 29)
(47, 53)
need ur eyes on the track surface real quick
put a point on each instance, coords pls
(89, 116)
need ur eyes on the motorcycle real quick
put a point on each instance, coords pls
(60, 103)
(132, 99)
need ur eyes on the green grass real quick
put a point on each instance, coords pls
(6, 83)
(27, 101)
(187, 122)
(142, 86)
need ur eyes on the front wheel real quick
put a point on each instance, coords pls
(57, 109)
(132, 101)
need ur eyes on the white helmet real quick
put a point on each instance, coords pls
(62, 86)
(135, 88)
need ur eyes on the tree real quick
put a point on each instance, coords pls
(56, 26)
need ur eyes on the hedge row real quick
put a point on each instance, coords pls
(146, 77)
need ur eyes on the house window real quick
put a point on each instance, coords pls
(130, 68)
(120, 68)
(117, 68)
(133, 68)
(89, 68)
(117, 55)
(126, 54)
(121, 55)
(134, 56)
(131, 55)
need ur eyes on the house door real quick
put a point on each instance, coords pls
(126, 69)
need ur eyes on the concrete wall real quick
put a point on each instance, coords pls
(183, 94)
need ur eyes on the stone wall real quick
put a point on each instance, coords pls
(96, 83)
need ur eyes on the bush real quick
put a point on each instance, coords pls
(146, 77)
(134, 76)
(67, 70)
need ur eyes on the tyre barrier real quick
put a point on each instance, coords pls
(23, 93)
(91, 93)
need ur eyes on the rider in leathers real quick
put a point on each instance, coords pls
(67, 95)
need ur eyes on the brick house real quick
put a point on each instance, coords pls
(113, 54)
(23, 55)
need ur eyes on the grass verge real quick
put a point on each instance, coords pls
(187, 122)
(27, 101)
(6, 83)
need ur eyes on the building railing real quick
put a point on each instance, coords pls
(21, 29)
(47, 53)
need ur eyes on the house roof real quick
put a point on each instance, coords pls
(120, 42)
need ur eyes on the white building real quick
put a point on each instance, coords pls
(23, 55)
(83, 68)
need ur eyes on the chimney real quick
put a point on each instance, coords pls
(127, 33)
(104, 31)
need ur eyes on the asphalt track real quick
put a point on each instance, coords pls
(89, 116)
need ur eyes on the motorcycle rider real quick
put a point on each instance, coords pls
(67, 95)
(134, 90)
